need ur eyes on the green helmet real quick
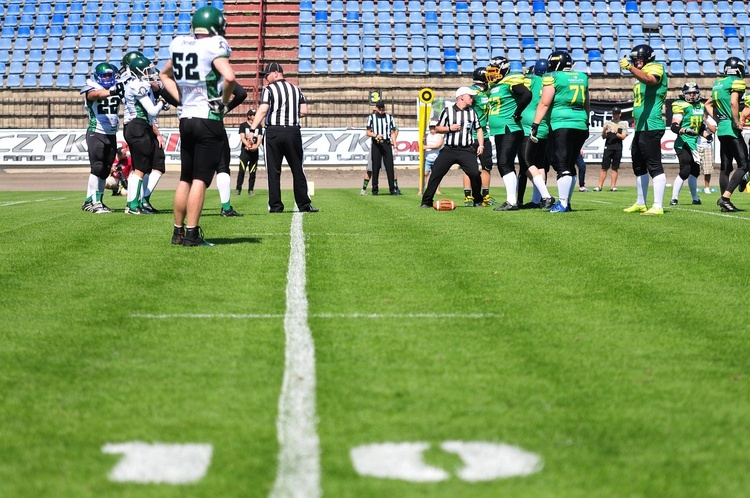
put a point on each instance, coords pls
(128, 58)
(209, 21)
(143, 69)
(105, 74)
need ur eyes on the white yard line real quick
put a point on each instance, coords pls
(298, 471)
(15, 203)
(251, 316)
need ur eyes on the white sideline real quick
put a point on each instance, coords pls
(298, 471)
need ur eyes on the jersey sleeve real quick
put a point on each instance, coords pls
(654, 69)
(679, 107)
(513, 80)
(219, 47)
(738, 85)
(548, 80)
(369, 122)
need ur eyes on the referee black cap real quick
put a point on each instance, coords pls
(273, 67)
(380, 104)
(615, 109)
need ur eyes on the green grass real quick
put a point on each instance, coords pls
(615, 346)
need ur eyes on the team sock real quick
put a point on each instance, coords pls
(224, 185)
(485, 192)
(676, 187)
(564, 186)
(467, 192)
(660, 184)
(641, 187)
(135, 184)
(540, 187)
(365, 183)
(395, 183)
(92, 187)
(511, 187)
(150, 183)
(693, 186)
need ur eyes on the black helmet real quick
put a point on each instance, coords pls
(734, 66)
(559, 60)
(497, 69)
(642, 53)
(480, 75)
(691, 92)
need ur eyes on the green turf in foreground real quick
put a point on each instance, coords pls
(616, 350)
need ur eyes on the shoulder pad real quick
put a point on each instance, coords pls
(679, 106)
(738, 85)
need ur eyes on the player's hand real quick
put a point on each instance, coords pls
(117, 91)
(516, 118)
(534, 131)
(690, 132)
(217, 106)
(480, 150)
(625, 64)
(164, 104)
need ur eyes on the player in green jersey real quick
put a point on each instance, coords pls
(649, 93)
(508, 98)
(687, 121)
(481, 107)
(533, 163)
(724, 107)
(565, 103)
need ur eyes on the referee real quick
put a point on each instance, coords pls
(281, 106)
(458, 122)
(383, 131)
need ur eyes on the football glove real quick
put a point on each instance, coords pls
(534, 131)
(164, 104)
(690, 132)
(625, 64)
(217, 106)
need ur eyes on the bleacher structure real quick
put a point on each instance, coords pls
(453, 37)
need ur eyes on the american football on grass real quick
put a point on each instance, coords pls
(444, 205)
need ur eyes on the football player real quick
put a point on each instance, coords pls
(649, 93)
(534, 154)
(508, 98)
(223, 178)
(102, 102)
(481, 107)
(198, 70)
(141, 133)
(565, 102)
(687, 121)
(724, 107)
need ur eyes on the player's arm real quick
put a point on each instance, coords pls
(645, 78)
(239, 95)
(159, 136)
(394, 133)
(622, 132)
(523, 99)
(480, 139)
(246, 142)
(166, 76)
(221, 64)
(151, 109)
(735, 99)
(100, 94)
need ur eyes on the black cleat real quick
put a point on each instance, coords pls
(548, 203)
(697, 202)
(178, 235)
(238, 191)
(425, 206)
(507, 206)
(88, 206)
(146, 206)
(310, 209)
(673, 202)
(229, 213)
(726, 205)
(530, 205)
(194, 237)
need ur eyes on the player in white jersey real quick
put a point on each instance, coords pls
(141, 110)
(200, 76)
(102, 103)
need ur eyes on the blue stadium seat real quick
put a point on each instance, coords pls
(16, 67)
(692, 68)
(337, 66)
(76, 8)
(79, 80)
(13, 81)
(451, 67)
(353, 66)
(32, 68)
(63, 80)
(370, 66)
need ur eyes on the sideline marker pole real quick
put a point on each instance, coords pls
(426, 95)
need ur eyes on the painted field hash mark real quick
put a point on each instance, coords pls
(482, 461)
(159, 463)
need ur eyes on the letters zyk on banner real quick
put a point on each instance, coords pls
(323, 147)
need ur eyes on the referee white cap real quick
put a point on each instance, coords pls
(465, 90)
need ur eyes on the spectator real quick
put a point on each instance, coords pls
(613, 133)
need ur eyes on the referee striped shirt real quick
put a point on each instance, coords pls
(284, 100)
(468, 120)
(381, 124)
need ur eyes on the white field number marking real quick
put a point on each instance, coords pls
(482, 461)
(159, 463)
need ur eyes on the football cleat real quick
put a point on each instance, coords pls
(88, 206)
(707, 190)
(469, 201)
(229, 213)
(136, 210)
(597, 189)
(99, 208)
(238, 191)
(653, 211)
(673, 202)
(697, 202)
(363, 192)
(548, 203)
(194, 237)
(532, 205)
(178, 235)
(507, 206)
(489, 201)
(558, 208)
(146, 206)
(636, 208)
(250, 192)
(726, 205)
(613, 189)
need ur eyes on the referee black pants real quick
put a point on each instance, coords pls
(382, 153)
(285, 142)
(466, 158)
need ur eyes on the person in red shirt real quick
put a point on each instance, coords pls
(118, 179)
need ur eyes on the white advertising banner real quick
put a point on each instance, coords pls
(323, 147)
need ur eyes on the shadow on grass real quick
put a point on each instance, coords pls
(234, 240)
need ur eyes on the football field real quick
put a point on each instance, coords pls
(375, 349)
